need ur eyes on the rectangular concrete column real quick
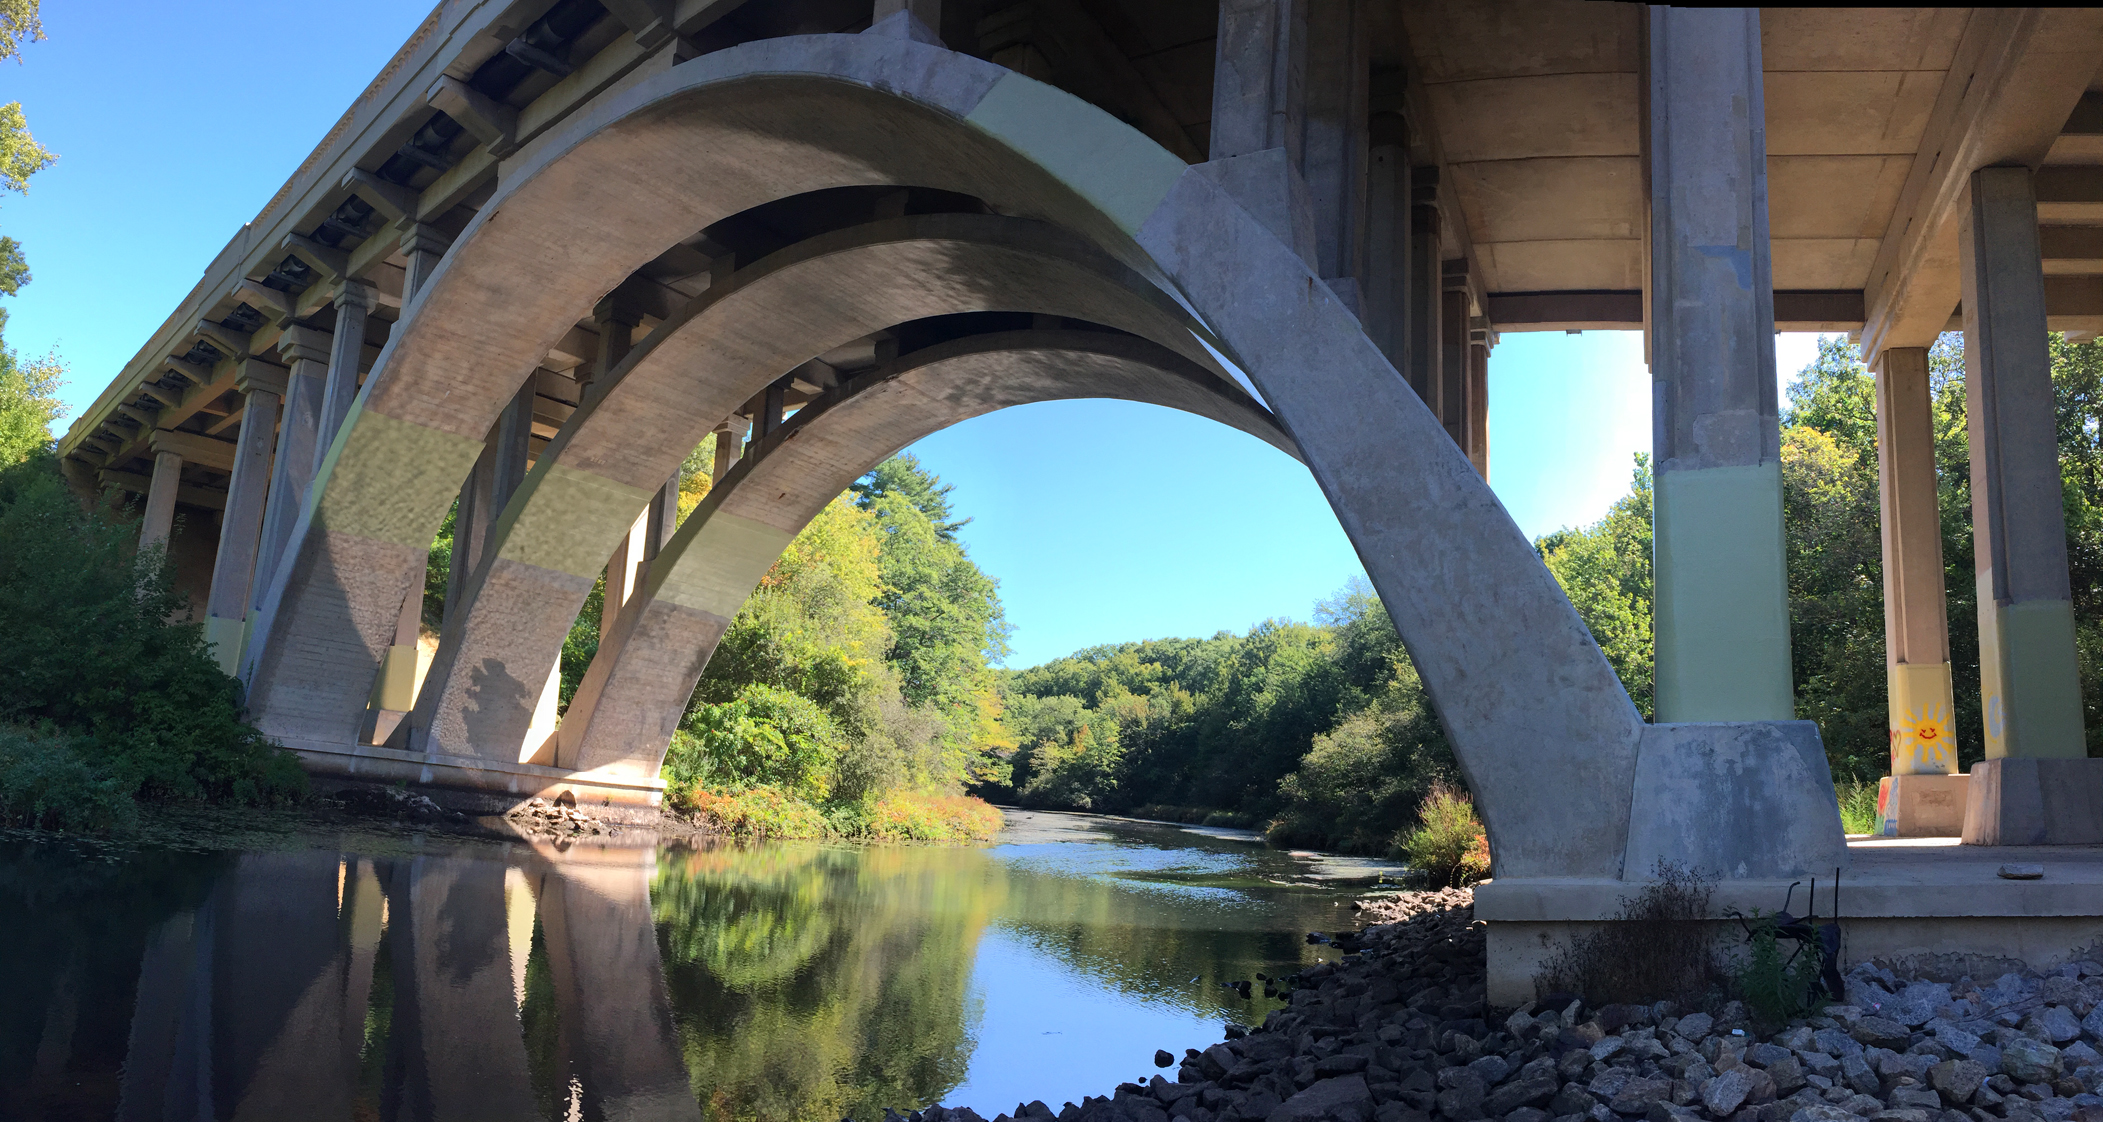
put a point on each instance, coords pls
(424, 246)
(496, 476)
(1478, 443)
(1423, 294)
(1387, 238)
(262, 388)
(1334, 142)
(2030, 689)
(1259, 116)
(346, 350)
(1722, 595)
(305, 355)
(159, 520)
(730, 445)
(1453, 356)
(1922, 797)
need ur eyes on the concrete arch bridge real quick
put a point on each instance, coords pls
(555, 246)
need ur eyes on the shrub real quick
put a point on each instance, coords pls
(1858, 806)
(765, 737)
(1661, 945)
(1448, 844)
(1776, 988)
(89, 653)
(756, 812)
(919, 816)
(47, 782)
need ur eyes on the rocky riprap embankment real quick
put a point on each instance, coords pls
(541, 817)
(1399, 1032)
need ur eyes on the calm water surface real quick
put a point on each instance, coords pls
(354, 977)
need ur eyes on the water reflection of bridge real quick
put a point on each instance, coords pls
(440, 980)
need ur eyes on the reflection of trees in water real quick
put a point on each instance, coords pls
(813, 982)
(1150, 942)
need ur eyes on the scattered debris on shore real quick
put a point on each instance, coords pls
(1399, 1031)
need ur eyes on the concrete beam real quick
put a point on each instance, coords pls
(2016, 77)
(189, 494)
(215, 454)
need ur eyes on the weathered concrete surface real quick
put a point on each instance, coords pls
(1922, 805)
(1737, 801)
(645, 416)
(2021, 800)
(648, 662)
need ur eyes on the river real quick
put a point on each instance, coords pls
(373, 975)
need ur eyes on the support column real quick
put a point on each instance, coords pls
(346, 350)
(159, 520)
(1453, 353)
(1478, 442)
(927, 14)
(262, 388)
(424, 246)
(1259, 116)
(1423, 310)
(304, 352)
(1722, 595)
(496, 475)
(2036, 785)
(1922, 797)
(730, 445)
(1387, 256)
(1335, 142)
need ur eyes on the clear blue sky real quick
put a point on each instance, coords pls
(1104, 521)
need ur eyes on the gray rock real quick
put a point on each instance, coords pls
(1492, 1069)
(1856, 1073)
(1636, 1096)
(1834, 1042)
(1881, 1032)
(1459, 1103)
(1163, 1058)
(2029, 1061)
(1864, 1105)
(1694, 1026)
(2078, 1055)
(1453, 1077)
(2059, 1024)
(1956, 1039)
(1530, 1091)
(1818, 1063)
(1986, 1056)
(1919, 1097)
(1901, 1114)
(1957, 1080)
(1824, 1113)
(1788, 1075)
(1342, 1099)
(2093, 1023)
(1342, 1063)
(1608, 1083)
(1572, 1099)
(1760, 1055)
(1726, 1092)
(1528, 1114)
(1607, 1047)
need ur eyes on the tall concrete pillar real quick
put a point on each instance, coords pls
(159, 520)
(1334, 142)
(1453, 357)
(2029, 687)
(1478, 442)
(1386, 274)
(1259, 116)
(262, 388)
(1923, 797)
(1722, 594)
(304, 352)
(346, 350)
(1423, 294)
(496, 475)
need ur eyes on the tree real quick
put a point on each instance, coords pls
(29, 402)
(903, 477)
(20, 155)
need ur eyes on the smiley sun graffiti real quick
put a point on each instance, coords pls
(1926, 737)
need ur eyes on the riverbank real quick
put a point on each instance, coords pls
(1399, 1031)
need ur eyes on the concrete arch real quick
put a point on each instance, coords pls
(1547, 736)
(646, 415)
(630, 701)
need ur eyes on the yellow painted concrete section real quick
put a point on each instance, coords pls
(391, 480)
(719, 566)
(1104, 160)
(1722, 596)
(567, 519)
(1923, 715)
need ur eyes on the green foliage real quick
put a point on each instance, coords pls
(1448, 844)
(47, 782)
(19, 24)
(1605, 570)
(89, 653)
(1776, 987)
(29, 402)
(767, 736)
(1858, 805)
(902, 477)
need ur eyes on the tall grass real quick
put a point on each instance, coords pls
(1858, 806)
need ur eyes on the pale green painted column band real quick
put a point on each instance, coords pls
(1107, 162)
(2030, 674)
(729, 556)
(223, 637)
(562, 518)
(1722, 595)
(391, 480)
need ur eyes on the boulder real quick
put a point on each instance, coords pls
(1342, 1099)
(1881, 1032)
(1637, 1094)
(2059, 1024)
(1726, 1092)
(1530, 1091)
(1694, 1026)
(2027, 1060)
(1957, 1080)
